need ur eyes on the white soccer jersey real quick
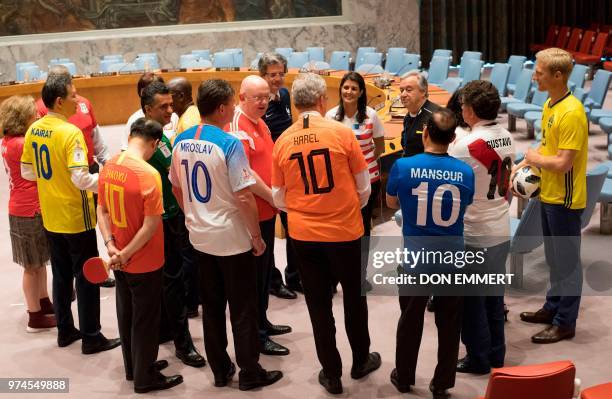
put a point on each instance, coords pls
(209, 166)
(489, 150)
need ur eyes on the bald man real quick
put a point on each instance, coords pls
(256, 138)
(182, 103)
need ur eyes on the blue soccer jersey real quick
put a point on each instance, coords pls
(434, 191)
(209, 166)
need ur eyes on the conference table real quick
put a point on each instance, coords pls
(114, 97)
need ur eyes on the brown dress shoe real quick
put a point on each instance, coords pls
(542, 316)
(553, 334)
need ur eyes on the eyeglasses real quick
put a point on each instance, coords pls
(275, 74)
(258, 99)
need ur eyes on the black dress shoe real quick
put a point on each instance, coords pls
(192, 313)
(265, 378)
(191, 358)
(366, 286)
(283, 292)
(278, 329)
(295, 287)
(158, 365)
(373, 363)
(466, 366)
(222, 380)
(403, 388)
(162, 382)
(332, 385)
(542, 316)
(553, 334)
(99, 344)
(272, 348)
(66, 338)
(438, 393)
(108, 283)
(431, 307)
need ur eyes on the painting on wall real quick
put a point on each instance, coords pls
(22, 17)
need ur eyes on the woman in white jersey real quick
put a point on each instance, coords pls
(353, 112)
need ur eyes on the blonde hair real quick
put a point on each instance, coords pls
(15, 115)
(556, 59)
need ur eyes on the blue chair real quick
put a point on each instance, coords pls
(516, 63)
(30, 73)
(438, 70)
(576, 78)
(410, 62)
(146, 62)
(526, 235)
(499, 77)
(316, 53)
(450, 85)
(605, 202)
(440, 52)
(106, 63)
(198, 63)
(204, 53)
(254, 65)
(361, 52)
(284, 51)
(522, 90)
(123, 67)
(222, 59)
(237, 58)
(519, 109)
(297, 59)
(395, 59)
(595, 179)
(466, 61)
(19, 68)
(184, 59)
(366, 69)
(599, 88)
(373, 58)
(606, 125)
(597, 115)
(339, 60)
(150, 55)
(472, 71)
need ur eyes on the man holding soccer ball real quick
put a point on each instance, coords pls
(562, 158)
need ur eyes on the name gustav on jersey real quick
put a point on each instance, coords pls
(436, 174)
(199, 148)
(497, 143)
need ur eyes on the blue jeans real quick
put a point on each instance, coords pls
(562, 231)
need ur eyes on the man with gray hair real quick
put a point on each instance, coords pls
(413, 94)
(320, 178)
(273, 67)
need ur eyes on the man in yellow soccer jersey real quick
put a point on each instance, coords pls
(182, 104)
(55, 156)
(562, 157)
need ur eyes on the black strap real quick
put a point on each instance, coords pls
(305, 121)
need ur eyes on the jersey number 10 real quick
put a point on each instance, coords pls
(41, 153)
(313, 173)
(193, 187)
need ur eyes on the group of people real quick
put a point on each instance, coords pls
(187, 213)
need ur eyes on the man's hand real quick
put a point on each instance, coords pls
(116, 262)
(111, 249)
(259, 246)
(533, 157)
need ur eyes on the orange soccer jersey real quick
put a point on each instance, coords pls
(315, 160)
(130, 189)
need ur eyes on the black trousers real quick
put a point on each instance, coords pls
(68, 253)
(138, 314)
(292, 277)
(230, 280)
(173, 302)
(410, 331)
(321, 264)
(366, 216)
(264, 264)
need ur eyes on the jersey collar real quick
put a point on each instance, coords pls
(56, 115)
(550, 105)
(314, 113)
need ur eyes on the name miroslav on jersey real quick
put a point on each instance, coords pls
(436, 174)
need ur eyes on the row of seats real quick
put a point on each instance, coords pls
(588, 47)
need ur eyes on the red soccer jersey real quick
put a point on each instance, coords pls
(23, 200)
(258, 146)
(84, 119)
(130, 189)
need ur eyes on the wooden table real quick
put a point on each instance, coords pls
(114, 98)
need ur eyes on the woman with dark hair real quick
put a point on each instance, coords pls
(462, 129)
(353, 112)
(28, 240)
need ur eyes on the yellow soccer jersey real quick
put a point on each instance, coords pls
(53, 147)
(565, 127)
(190, 117)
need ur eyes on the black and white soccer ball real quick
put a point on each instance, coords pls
(526, 182)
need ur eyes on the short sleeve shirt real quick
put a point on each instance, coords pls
(23, 199)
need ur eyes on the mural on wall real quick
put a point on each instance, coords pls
(22, 17)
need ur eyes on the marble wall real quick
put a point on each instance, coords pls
(379, 23)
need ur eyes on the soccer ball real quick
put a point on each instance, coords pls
(526, 182)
